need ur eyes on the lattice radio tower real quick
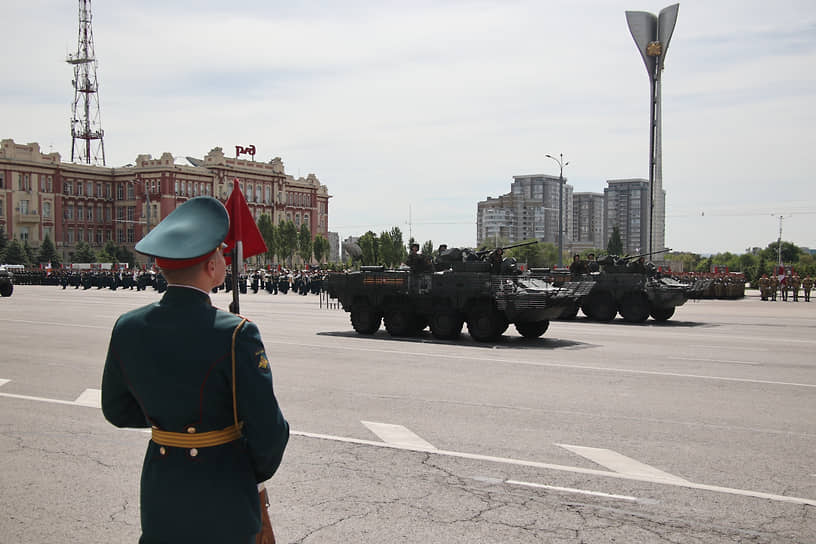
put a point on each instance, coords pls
(86, 123)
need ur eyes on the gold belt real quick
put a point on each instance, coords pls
(197, 440)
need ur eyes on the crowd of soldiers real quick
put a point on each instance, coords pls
(281, 281)
(720, 285)
(771, 285)
(273, 282)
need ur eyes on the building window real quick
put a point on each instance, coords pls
(98, 190)
(131, 213)
(99, 214)
(131, 193)
(79, 188)
(268, 194)
(99, 234)
(130, 237)
(120, 192)
(108, 191)
(120, 236)
(177, 187)
(80, 235)
(24, 207)
(89, 189)
(107, 214)
(70, 236)
(2, 208)
(46, 210)
(2, 180)
(90, 213)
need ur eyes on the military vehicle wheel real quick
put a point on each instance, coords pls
(532, 329)
(662, 314)
(6, 289)
(365, 320)
(635, 308)
(485, 324)
(600, 306)
(446, 325)
(400, 322)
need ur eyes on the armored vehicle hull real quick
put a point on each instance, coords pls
(466, 294)
(6, 283)
(633, 295)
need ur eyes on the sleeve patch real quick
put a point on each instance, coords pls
(263, 362)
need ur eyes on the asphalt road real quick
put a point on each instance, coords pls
(702, 429)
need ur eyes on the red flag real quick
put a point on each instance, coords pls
(244, 239)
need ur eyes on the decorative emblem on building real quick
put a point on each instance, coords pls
(654, 49)
(240, 150)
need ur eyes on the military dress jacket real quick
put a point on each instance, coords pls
(169, 365)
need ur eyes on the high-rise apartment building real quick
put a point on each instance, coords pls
(42, 196)
(587, 221)
(529, 211)
(627, 207)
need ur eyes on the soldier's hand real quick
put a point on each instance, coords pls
(267, 535)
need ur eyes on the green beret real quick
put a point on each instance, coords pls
(194, 229)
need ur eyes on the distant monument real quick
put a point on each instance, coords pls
(652, 35)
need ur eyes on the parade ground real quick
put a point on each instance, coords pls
(700, 429)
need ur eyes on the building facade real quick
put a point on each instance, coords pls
(529, 211)
(587, 222)
(627, 207)
(42, 196)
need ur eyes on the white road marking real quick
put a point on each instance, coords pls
(505, 460)
(398, 435)
(60, 325)
(3, 382)
(622, 464)
(548, 365)
(90, 397)
(574, 490)
(726, 361)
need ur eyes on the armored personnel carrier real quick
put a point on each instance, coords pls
(461, 290)
(634, 290)
(6, 282)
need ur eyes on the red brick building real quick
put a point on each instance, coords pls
(40, 194)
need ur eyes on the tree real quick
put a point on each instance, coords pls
(270, 235)
(386, 249)
(304, 242)
(790, 252)
(84, 253)
(615, 244)
(15, 254)
(287, 240)
(108, 253)
(48, 253)
(400, 253)
(320, 248)
(3, 243)
(31, 257)
(428, 248)
(124, 255)
(370, 245)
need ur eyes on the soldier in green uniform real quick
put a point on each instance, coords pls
(796, 283)
(764, 286)
(774, 287)
(200, 377)
(807, 285)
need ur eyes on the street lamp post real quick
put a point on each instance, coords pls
(561, 165)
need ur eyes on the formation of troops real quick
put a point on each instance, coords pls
(719, 285)
(771, 285)
(273, 282)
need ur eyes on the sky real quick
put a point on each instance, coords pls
(411, 112)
